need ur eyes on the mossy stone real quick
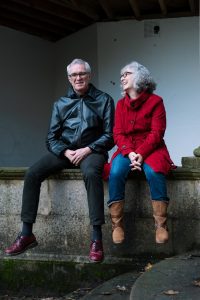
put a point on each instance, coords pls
(197, 152)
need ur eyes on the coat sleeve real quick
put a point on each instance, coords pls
(154, 138)
(53, 142)
(121, 139)
(105, 141)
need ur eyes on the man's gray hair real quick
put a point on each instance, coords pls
(142, 77)
(79, 61)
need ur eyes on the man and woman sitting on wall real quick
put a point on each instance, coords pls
(83, 128)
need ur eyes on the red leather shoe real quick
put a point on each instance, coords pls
(96, 252)
(21, 244)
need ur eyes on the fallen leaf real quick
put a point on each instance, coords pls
(121, 288)
(196, 282)
(148, 267)
(106, 293)
(171, 292)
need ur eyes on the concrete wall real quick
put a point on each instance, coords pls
(62, 226)
(27, 75)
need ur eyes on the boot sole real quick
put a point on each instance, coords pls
(96, 261)
(165, 242)
(118, 242)
(30, 246)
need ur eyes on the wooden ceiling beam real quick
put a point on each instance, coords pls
(55, 10)
(192, 6)
(26, 21)
(54, 19)
(135, 8)
(30, 30)
(163, 7)
(106, 8)
(39, 16)
(85, 9)
(169, 15)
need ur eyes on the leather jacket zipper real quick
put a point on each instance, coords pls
(81, 122)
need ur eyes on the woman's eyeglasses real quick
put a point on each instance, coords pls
(125, 74)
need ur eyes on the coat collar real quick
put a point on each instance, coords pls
(137, 102)
(72, 94)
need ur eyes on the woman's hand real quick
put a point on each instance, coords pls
(136, 161)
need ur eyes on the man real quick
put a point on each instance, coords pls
(80, 134)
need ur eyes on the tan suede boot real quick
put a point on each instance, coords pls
(160, 216)
(116, 214)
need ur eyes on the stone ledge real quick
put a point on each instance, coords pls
(191, 162)
(79, 259)
(9, 173)
(181, 173)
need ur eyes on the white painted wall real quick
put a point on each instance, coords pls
(32, 77)
(173, 59)
(26, 90)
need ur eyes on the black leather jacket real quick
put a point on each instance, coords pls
(78, 122)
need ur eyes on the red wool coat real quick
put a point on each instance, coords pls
(139, 127)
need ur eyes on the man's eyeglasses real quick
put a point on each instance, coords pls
(75, 75)
(125, 74)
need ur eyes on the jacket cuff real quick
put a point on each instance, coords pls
(143, 153)
(126, 151)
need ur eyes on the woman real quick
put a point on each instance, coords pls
(140, 123)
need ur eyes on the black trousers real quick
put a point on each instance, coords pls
(92, 169)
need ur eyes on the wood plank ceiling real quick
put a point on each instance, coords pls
(55, 19)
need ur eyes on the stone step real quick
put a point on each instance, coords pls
(48, 276)
(117, 288)
(172, 278)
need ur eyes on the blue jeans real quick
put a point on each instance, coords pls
(118, 176)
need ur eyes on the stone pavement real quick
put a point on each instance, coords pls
(176, 278)
(173, 278)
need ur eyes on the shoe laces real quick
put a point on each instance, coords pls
(18, 237)
(96, 246)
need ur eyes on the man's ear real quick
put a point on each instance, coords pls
(69, 78)
(89, 75)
